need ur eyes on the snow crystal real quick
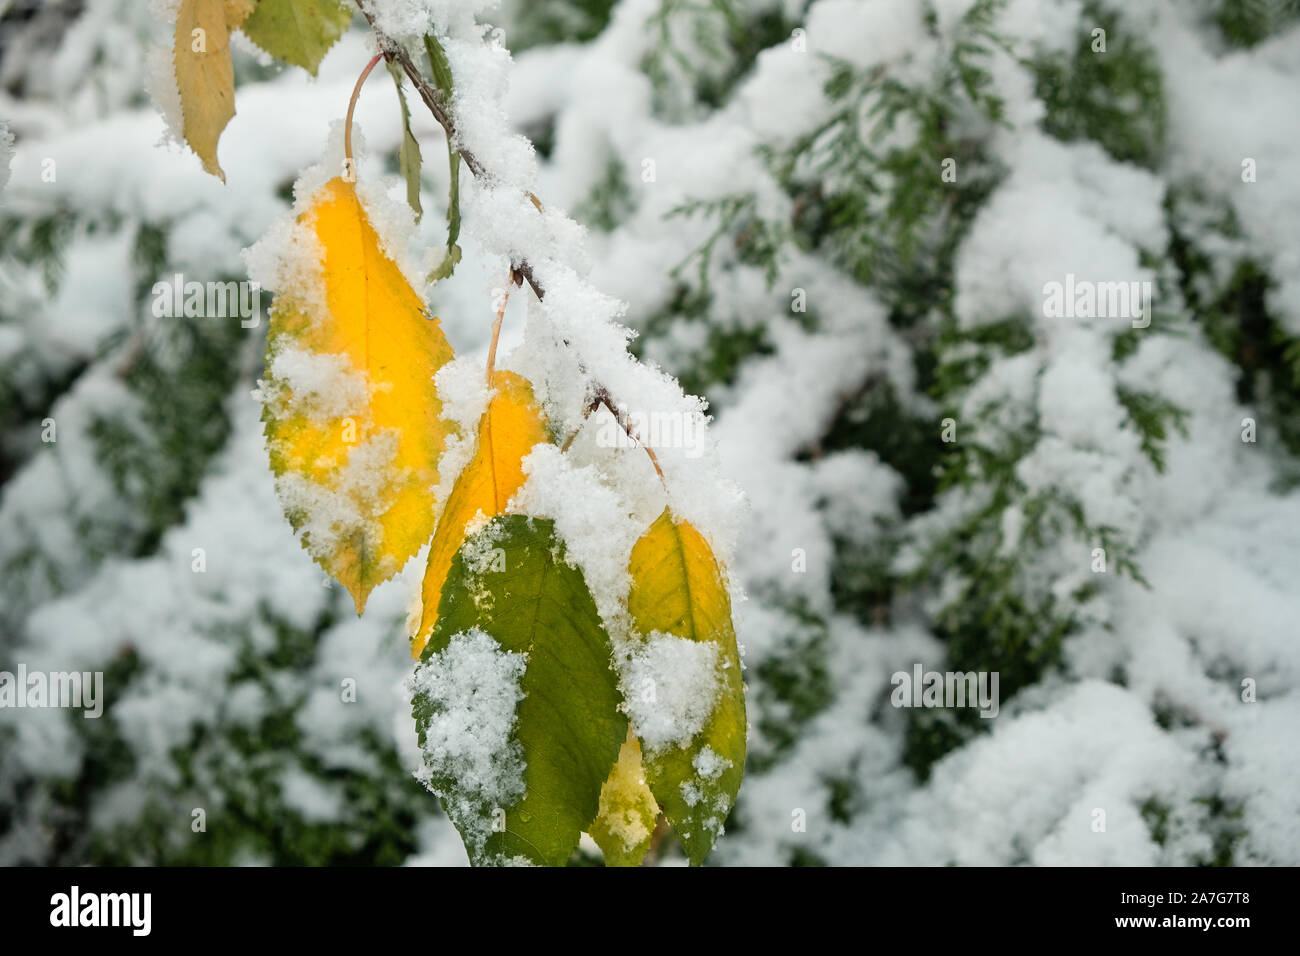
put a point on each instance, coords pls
(332, 515)
(760, 431)
(479, 550)
(627, 824)
(326, 390)
(670, 687)
(464, 395)
(186, 630)
(482, 127)
(1266, 778)
(289, 260)
(463, 392)
(322, 387)
(709, 764)
(480, 555)
(1094, 746)
(507, 224)
(472, 688)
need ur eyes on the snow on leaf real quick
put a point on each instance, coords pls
(352, 416)
(204, 73)
(509, 429)
(465, 699)
(678, 589)
(298, 31)
(627, 810)
(569, 726)
(676, 682)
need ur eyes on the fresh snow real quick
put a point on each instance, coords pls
(670, 688)
(472, 688)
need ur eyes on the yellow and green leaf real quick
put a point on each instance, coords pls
(512, 582)
(358, 481)
(298, 31)
(205, 77)
(678, 588)
(628, 811)
(509, 429)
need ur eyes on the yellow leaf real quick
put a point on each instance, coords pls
(353, 421)
(678, 589)
(628, 811)
(509, 429)
(205, 77)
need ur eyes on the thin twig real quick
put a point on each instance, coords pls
(520, 271)
(394, 52)
(601, 399)
(496, 331)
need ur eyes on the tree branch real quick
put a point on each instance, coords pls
(521, 271)
(394, 52)
(601, 398)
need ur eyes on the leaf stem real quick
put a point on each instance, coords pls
(352, 105)
(496, 331)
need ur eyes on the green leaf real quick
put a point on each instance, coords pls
(298, 31)
(443, 80)
(453, 205)
(441, 67)
(510, 581)
(408, 157)
(679, 593)
(447, 266)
